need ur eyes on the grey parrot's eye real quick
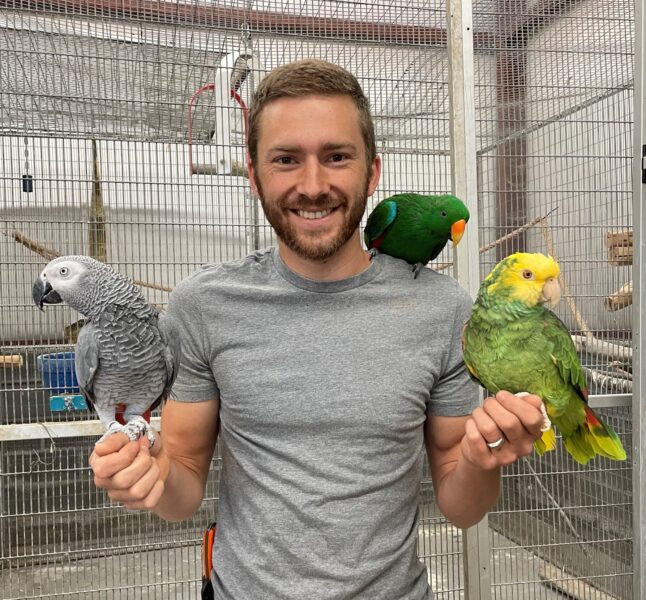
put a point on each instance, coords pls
(63, 271)
(527, 274)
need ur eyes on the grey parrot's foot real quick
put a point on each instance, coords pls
(417, 267)
(133, 429)
(113, 427)
(138, 427)
(373, 252)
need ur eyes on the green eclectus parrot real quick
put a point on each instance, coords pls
(513, 342)
(415, 227)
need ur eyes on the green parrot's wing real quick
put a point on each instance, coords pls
(563, 353)
(380, 219)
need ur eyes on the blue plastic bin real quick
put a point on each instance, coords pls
(57, 372)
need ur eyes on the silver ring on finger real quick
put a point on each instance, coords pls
(497, 444)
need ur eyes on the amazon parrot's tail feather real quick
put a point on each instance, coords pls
(594, 437)
(546, 442)
(604, 440)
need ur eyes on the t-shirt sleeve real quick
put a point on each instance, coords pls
(455, 393)
(195, 381)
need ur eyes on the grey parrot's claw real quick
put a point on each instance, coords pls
(138, 427)
(133, 429)
(416, 269)
(113, 427)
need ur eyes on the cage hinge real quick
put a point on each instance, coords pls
(644, 163)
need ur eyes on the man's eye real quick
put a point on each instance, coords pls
(338, 157)
(285, 160)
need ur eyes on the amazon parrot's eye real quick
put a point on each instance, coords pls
(527, 274)
(444, 213)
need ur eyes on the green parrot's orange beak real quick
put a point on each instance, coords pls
(457, 231)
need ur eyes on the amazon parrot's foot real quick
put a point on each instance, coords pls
(547, 424)
(417, 267)
(373, 252)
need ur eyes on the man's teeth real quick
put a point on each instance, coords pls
(319, 214)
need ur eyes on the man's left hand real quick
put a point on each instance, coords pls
(503, 429)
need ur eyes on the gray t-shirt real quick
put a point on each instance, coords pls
(324, 388)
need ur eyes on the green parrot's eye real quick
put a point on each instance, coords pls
(63, 271)
(444, 213)
(527, 274)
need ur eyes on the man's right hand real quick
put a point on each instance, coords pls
(133, 474)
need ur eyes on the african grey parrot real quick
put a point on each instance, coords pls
(127, 353)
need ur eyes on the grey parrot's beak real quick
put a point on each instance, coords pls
(43, 293)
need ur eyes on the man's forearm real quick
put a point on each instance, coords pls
(466, 493)
(183, 492)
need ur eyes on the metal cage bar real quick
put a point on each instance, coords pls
(639, 307)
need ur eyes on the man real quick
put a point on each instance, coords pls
(325, 373)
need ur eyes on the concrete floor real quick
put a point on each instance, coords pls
(141, 575)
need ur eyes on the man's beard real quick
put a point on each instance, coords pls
(311, 247)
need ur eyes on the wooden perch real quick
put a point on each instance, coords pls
(49, 254)
(238, 169)
(569, 585)
(617, 384)
(622, 298)
(11, 360)
(39, 249)
(500, 240)
(97, 238)
(620, 247)
(608, 350)
(567, 294)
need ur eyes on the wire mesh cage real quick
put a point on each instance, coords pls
(122, 132)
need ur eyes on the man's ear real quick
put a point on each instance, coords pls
(375, 175)
(252, 175)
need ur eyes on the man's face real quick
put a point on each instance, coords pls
(311, 174)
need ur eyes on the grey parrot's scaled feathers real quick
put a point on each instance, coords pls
(86, 361)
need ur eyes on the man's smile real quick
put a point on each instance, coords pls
(319, 214)
(314, 216)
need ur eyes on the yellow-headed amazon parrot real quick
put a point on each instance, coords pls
(513, 342)
(415, 227)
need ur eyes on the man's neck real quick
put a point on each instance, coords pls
(350, 260)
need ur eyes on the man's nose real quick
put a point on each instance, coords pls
(313, 180)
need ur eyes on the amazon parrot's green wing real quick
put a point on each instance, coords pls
(563, 353)
(593, 436)
(380, 219)
(465, 355)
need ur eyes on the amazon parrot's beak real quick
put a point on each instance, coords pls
(551, 293)
(43, 293)
(457, 231)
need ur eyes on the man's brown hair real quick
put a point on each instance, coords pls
(304, 78)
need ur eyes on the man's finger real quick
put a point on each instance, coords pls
(106, 466)
(112, 443)
(528, 409)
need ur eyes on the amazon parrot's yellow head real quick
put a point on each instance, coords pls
(528, 278)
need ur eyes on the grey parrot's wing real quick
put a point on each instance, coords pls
(86, 361)
(172, 350)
